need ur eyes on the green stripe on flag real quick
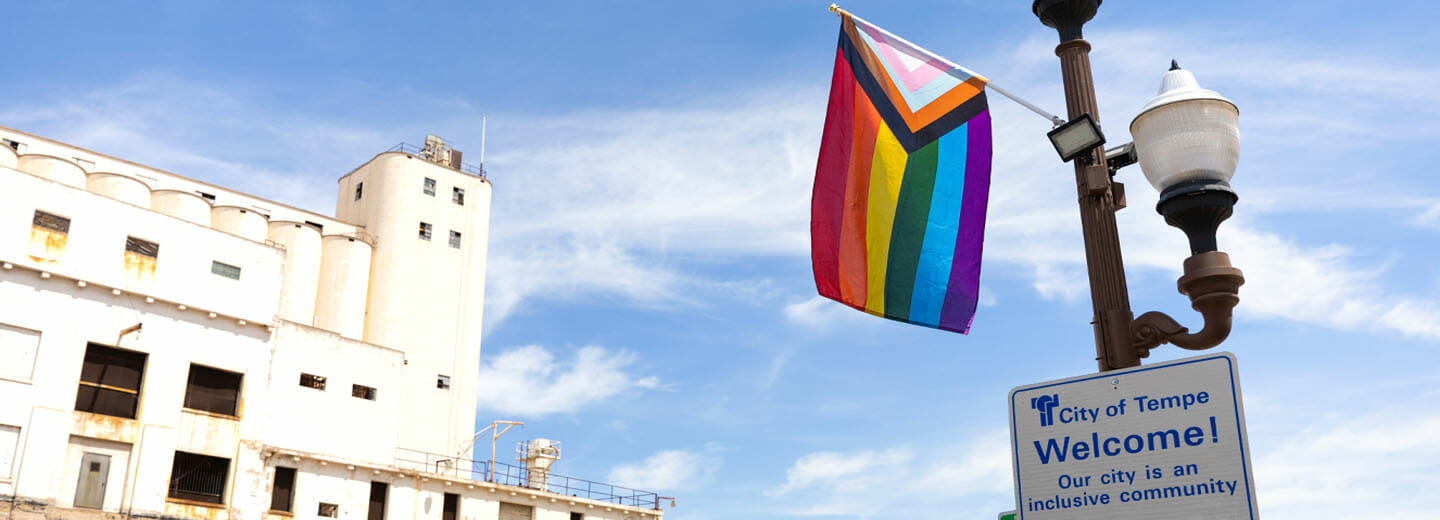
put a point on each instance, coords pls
(908, 234)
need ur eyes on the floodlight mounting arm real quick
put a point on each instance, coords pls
(1213, 286)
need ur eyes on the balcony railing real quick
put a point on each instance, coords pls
(470, 168)
(519, 476)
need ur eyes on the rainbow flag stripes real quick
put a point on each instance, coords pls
(898, 209)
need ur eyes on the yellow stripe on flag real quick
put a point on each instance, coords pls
(886, 172)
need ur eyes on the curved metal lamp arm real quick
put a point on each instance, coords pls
(1213, 286)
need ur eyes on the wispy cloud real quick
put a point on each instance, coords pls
(669, 470)
(530, 382)
(967, 477)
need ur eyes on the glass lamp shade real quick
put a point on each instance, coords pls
(1186, 133)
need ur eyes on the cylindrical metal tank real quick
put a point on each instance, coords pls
(344, 285)
(54, 168)
(8, 157)
(119, 187)
(236, 220)
(302, 269)
(182, 205)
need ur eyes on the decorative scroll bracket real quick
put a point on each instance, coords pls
(1213, 286)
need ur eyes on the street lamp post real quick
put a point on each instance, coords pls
(1187, 142)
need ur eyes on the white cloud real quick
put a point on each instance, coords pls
(1353, 464)
(529, 382)
(816, 312)
(668, 470)
(965, 476)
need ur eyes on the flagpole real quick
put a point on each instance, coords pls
(1054, 119)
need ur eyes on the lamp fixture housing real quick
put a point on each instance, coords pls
(1077, 137)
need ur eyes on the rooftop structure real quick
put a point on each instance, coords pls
(174, 349)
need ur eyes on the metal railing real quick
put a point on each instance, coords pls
(519, 476)
(470, 168)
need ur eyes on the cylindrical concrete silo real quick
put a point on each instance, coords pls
(54, 168)
(302, 269)
(240, 221)
(182, 205)
(344, 285)
(8, 157)
(119, 187)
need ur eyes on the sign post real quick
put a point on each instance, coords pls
(1159, 441)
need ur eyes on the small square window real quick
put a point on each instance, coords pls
(442, 382)
(312, 381)
(51, 222)
(364, 392)
(430, 186)
(458, 196)
(455, 239)
(329, 510)
(142, 247)
(224, 269)
(359, 190)
(215, 391)
(424, 231)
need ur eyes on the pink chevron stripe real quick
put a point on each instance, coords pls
(915, 78)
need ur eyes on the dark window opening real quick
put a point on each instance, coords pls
(142, 247)
(430, 186)
(424, 231)
(223, 269)
(198, 477)
(329, 510)
(451, 509)
(378, 490)
(312, 381)
(458, 196)
(211, 390)
(577, 516)
(110, 381)
(206, 196)
(359, 190)
(51, 222)
(455, 239)
(363, 392)
(318, 226)
(442, 382)
(282, 495)
(14, 145)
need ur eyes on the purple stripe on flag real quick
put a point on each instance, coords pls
(963, 290)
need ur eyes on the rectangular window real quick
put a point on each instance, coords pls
(424, 231)
(215, 391)
(455, 239)
(364, 392)
(577, 516)
(318, 226)
(458, 196)
(110, 381)
(312, 381)
(142, 247)
(198, 477)
(282, 495)
(51, 222)
(430, 186)
(329, 510)
(359, 190)
(378, 490)
(451, 509)
(223, 269)
(442, 382)
(207, 196)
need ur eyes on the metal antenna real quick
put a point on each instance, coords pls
(482, 145)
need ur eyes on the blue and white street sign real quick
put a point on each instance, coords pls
(1158, 441)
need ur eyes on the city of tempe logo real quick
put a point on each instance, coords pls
(1044, 405)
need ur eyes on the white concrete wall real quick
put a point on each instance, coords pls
(332, 421)
(425, 297)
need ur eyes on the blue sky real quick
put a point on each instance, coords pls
(650, 302)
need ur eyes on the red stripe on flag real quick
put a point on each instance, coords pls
(828, 198)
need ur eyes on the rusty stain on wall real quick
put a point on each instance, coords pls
(99, 426)
(46, 245)
(139, 268)
(187, 509)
